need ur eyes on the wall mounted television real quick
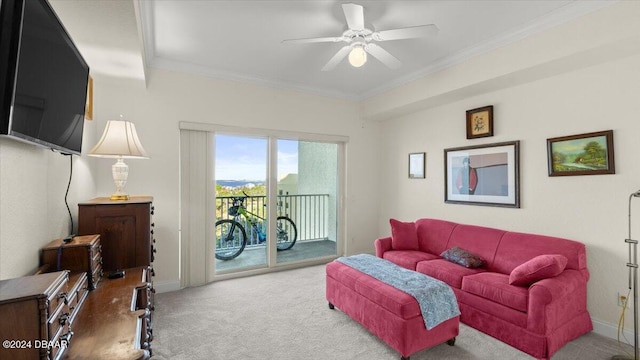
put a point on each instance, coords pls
(43, 78)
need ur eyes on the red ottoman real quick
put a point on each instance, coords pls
(390, 314)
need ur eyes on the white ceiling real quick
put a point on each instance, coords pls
(242, 40)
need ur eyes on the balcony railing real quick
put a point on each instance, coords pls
(309, 212)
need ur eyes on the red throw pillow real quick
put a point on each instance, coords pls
(536, 269)
(403, 235)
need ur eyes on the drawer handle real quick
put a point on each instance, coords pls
(63, 295)
(63, 319)
(66, 337)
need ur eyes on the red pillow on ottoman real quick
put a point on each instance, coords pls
(403, 235)
(536, 269)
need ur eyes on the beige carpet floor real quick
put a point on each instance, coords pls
(284, 315)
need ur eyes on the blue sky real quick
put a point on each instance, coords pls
(245, 158)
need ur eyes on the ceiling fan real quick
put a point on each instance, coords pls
(361, 40)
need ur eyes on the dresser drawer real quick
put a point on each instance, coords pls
(58, 295)
(146, 334)
(78, 293)
(96, 276)
(97, 257)
(59, 343)
(59, 322)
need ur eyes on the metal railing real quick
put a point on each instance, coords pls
(309, 212)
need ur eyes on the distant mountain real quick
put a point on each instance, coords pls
(238, 183)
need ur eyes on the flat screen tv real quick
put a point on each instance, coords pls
(43, 78)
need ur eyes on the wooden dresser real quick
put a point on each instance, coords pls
(37, 314)
(116, 322)
(82, 254)
(125, 228)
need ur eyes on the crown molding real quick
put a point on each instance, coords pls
(181, 66)
(558, 17)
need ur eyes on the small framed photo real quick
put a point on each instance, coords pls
(483, 175)
(583, 154)
(416, 165)
(480, 122)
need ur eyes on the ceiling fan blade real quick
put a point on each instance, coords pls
(314, 40)
(383, 55)
(354, 14)
(335, 60)
(406, 33)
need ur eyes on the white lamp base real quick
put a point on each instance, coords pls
(120, 172)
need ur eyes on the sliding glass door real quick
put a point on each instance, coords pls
(240, 231)
(307, 193)
(300, 222)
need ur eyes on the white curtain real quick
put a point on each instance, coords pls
(195, 178)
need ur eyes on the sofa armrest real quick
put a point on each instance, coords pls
(553, 301)
(382, 245)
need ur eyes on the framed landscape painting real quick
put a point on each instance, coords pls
(483, 175)
(583, 154)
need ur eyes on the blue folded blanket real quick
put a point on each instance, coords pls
(436, 299)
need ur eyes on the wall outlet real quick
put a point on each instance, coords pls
(622, 297)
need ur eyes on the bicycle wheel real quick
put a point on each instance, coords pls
(231, 239)
(286, 233)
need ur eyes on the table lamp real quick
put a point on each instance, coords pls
(119, 140)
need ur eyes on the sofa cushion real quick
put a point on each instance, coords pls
(518, 248)
(536, 269)
(495, 287)
(446, 271)
(403, 235)
(433, 234)
(408, 259)
(463, 257)
(479, 240)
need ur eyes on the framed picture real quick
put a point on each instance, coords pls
(480, 122)
(416, 165)
(483, 175)
(583, 154)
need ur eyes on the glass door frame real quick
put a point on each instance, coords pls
(272, 137)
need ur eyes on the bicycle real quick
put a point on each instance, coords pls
(231, 236)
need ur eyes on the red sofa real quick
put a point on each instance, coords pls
(537, 318)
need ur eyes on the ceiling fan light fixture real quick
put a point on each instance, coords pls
(357, 56)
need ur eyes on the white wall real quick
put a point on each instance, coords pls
(33, 182)
(576, 97)
(173, 97)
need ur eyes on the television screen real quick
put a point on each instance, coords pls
(50, 79)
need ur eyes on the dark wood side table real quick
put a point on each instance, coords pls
(125, 228)
(82, 254)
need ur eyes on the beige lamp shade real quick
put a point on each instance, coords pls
(119, 140)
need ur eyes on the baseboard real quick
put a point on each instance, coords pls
(611, 330)
(166, 286)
